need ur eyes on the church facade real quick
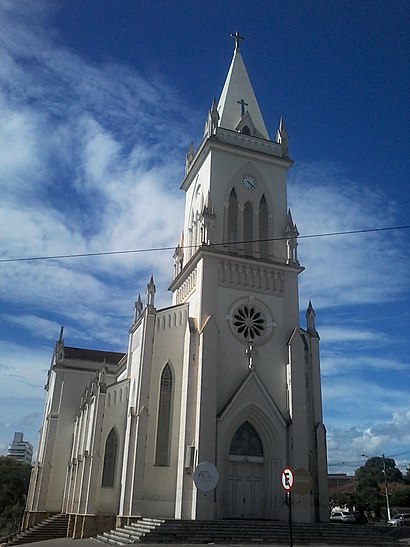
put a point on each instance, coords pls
(225, 375)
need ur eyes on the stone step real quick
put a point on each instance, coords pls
(50, 528)
(130, 533)
(108, 539)
(246, 531)
(241, 531)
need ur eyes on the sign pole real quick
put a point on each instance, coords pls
(289, 494)
(287, 479)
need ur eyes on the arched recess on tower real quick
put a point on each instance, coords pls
(250, 475)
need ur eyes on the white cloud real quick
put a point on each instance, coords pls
(38, 326)
(346, 269)
(353, 399)
(89, 164)
(345, 445)
(345, 334)
(350, 360)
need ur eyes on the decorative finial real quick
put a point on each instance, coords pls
(310, 321)
(151, 292)
(236, 37)
(138, 309)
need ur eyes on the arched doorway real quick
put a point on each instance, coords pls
(244, 482)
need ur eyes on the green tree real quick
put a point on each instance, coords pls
(373, 470)
(369, 477)
(401, 498)
(407, 475)
(14, 481)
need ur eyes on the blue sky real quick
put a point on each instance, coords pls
(99, 102)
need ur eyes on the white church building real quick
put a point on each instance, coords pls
(224, 375)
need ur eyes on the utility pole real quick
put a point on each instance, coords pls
(386, 488)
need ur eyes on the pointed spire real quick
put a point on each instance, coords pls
(179, 255)
(137, 309)
(207, 217)
(59, 347)
(102, 373)
(282, 137)
(310, 321)
(238, 98)
(291, 234)
(151, 290)
(212, 120)
(189, 157)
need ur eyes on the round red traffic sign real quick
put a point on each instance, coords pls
(287, 479)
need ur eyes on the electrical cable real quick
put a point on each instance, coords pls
(223, 244)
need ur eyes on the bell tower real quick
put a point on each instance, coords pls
(235, 185)
(257, 392)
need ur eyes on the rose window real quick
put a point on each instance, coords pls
(250, 319)
(248, 322)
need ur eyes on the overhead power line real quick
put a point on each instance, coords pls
(362, 461)
(223, 244)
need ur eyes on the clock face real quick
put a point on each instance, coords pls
(249, 182)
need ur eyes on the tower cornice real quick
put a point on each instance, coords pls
(211, 252)
(245, 145)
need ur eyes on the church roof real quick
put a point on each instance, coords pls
(95, 355)
(238, 98)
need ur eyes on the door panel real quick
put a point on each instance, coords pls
(244, 490)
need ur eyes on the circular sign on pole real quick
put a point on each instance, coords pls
(287, 479)
(205, 476)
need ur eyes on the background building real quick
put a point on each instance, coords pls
(20, 450)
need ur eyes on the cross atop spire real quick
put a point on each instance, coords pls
(236, 37)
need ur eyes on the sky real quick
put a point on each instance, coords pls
(99, 102)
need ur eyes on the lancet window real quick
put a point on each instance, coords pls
(248, 228)
(110, 459)
(263, 228)
(162, 450)
(232, 219)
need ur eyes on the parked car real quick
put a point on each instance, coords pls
(342, 516)
(401, 519)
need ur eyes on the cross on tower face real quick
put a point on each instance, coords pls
(243, 104)
(236, 37)
(250, 351)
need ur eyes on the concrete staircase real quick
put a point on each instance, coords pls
(180, 532)
(131, 533)
(50, 528)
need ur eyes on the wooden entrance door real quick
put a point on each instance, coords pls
(244, 489)
(244, 477)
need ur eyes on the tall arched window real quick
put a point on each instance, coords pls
(164, 418)
(248, 228)
(110, 459)
(263, 227)
(246, 442)
(232, 219)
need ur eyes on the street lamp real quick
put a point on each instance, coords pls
(386, 490)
